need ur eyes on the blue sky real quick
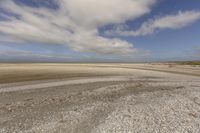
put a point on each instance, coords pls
(92, 30)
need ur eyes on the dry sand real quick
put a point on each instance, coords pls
(99, 98)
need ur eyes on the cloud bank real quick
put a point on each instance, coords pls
(174, 21)
(73, 23)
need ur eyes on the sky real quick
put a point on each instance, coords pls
(99, 30)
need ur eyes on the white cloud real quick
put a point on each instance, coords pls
(101, 12)
(7, 51)
(175, 21)
(75, 23)
(12, 53)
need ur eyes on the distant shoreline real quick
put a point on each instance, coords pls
(156, 62)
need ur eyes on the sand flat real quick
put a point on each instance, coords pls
(99, 98)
